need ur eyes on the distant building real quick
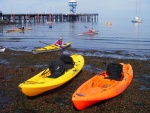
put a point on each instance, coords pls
(72, 4)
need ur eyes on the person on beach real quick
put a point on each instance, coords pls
(91, 30)
(59, 42)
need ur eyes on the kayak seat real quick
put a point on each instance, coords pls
(114, 71)
(57, 69)
(68, 62)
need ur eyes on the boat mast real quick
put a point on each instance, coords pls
(138, 7)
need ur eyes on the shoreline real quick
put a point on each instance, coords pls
(18, 66)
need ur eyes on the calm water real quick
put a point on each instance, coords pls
(122, 39)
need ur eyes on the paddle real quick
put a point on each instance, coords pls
(44, 42)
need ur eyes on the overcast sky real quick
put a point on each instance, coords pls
(105, 8)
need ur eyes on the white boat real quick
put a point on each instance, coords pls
(2, 49)
(137, 20)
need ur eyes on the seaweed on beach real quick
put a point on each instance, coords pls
(17, 66)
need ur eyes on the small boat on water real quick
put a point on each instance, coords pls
(47, 80)
(137, 20)
(88, 33)
(18, 29)
(50, 48)
(2, 49)
(107, 84)
(108, 23)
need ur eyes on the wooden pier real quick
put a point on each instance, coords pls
(50, 17)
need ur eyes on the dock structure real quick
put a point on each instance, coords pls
(70, 17)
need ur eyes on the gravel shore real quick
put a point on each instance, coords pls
(18, 66)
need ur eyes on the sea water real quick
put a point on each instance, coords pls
(120, 39)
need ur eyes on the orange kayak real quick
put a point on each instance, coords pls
(103, 86)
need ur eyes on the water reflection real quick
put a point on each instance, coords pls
(1, 30)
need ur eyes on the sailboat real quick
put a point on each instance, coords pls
(136, 18)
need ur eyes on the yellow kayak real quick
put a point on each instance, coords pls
(50, 48)
(43, 81)
(18, 30)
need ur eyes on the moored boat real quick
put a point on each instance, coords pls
(2, 49)
(137, 20)
(17, 29)
(107, 84)
(47, 79)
